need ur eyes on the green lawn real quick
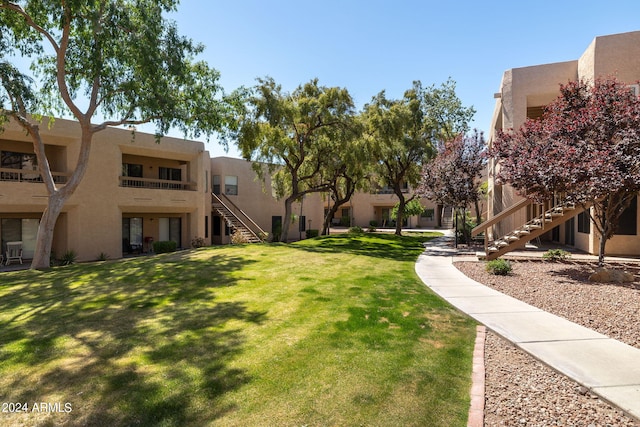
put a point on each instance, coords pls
(334, 331)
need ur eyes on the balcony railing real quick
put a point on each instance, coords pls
(27, 175)
(156, 184)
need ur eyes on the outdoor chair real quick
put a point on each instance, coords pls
(14, 252)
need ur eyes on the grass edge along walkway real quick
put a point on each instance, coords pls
(335, 330)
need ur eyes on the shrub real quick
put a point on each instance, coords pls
(103, 256)
(237, 238)
(373, 223)
(68, 257)
(164, 246)
(311, 233)
(556, 255)
(197, 242)
(356, 230)
(499, 267)
(371, 230)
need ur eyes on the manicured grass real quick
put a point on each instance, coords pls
(335, 331)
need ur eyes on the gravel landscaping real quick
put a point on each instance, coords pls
(522, 391)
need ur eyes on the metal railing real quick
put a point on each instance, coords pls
(27, 175)
(156, 184)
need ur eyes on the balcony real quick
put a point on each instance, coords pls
(156, 184)
(29, 175)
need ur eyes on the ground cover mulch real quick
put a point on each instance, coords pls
(522, 391)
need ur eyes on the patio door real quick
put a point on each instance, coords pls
(170, 229)
(22, 230)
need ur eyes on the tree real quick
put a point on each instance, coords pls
(404, 134)
(347, 170)
(295, 134)
(413, 207)
(118, 59)
(585, 147)
(453, 176)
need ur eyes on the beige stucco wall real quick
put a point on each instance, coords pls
(613, 55)
(255, 197)
(92, 221)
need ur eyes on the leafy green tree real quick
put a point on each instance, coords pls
(121, 60)
(296, 135)
(404, 134)
(413, 207)
(347, 170)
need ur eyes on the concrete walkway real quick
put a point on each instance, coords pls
(607, 367)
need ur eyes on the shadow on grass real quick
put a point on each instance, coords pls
(135, 342)
(379, 245)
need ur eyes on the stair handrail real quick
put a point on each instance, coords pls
(219, 200)
(245, 215)
(502, 215)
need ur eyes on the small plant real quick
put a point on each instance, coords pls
(373, 223)
(103, 256)
(311, 233)
(164, 246)
(356, 230)
(556, 255)
(237, 238)
(197, 242)
(68, 257)
(371, 230)
(499, 267)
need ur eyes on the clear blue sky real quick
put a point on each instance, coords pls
(368, 46)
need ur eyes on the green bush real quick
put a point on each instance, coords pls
(556, 255)
(164, 246)
(356, 230)
(68, 257)
(103, 256)
(499, 267)
(373, 223)
(311, 233)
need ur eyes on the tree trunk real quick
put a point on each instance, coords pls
(478, 213)
(286, 222)
(327, 219)
(400, 216)
(603, 242)
(44, 238)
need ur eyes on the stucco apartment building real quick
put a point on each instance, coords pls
(137, 191)
(523, 94)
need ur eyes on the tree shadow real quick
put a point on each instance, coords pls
(134, 342)
(580, 272)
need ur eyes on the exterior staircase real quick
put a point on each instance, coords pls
(553, 214)
(237, 219)
(447, 217)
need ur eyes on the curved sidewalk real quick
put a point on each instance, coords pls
(607, 367)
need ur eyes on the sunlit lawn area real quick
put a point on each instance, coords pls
(334, 331)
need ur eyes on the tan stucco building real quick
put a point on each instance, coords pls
(523, 94)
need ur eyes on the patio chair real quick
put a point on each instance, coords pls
(14, 252)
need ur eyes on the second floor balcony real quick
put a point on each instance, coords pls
(30, 175)
(156, 184)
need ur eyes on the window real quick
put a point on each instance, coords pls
(22, 230)
(584, 223)
(12, 160)
(231, 185)
(20, 161)
(627, 225)
(216, 184)
(302, 223)
(217, 225)
(170, 229)
(132, 170)
(206, 227)
(169, 174)
(131, 235)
